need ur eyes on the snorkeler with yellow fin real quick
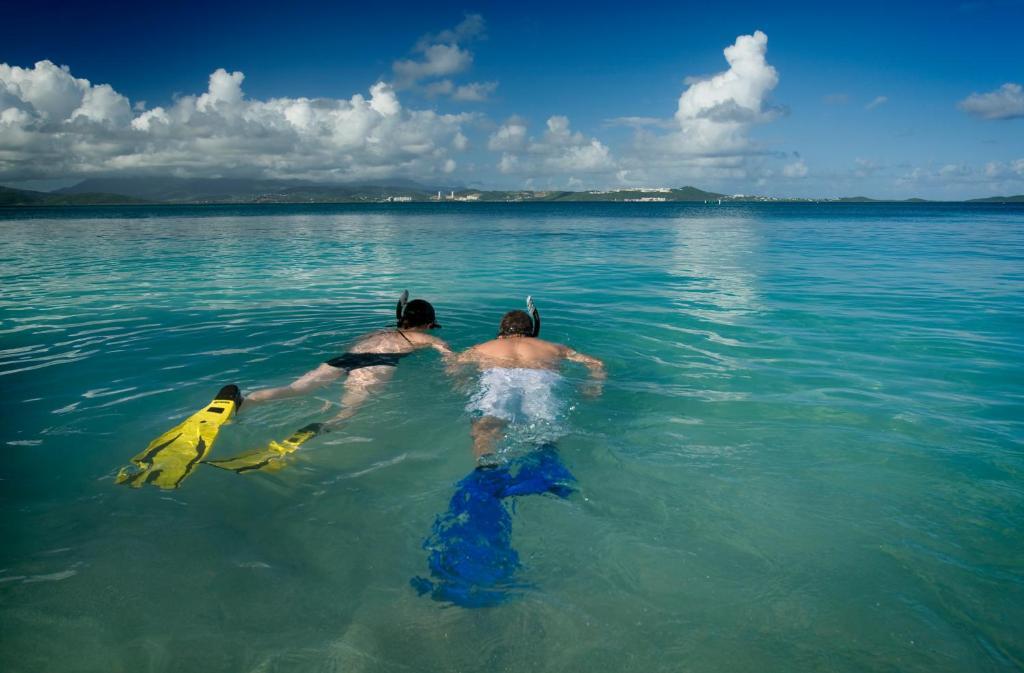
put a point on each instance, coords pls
(173, 455)
(367, 366)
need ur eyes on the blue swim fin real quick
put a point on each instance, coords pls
(540, 471)
(472, 562)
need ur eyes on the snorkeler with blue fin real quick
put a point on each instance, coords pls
(472, 562)
(367, 366)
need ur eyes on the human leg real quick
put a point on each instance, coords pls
(360, 386)
(486, 431)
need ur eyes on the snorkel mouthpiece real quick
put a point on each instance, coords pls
(400, 308)
(535, 314)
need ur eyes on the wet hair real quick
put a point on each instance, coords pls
(516, 323)
(418, 313)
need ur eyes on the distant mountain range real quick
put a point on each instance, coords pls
(119, 191)
(24, 197)
(999, 199)
(234, 190)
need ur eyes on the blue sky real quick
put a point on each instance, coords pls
(883, 99)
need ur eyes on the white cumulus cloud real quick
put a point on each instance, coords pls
(708, 140)
(439, 57)
(714, 114)
(510, 136)
(49, 91)
(558, 152)
(1006, 102)
(224, 93)
(471, 28)
(437, 60)
(54, 125)
(442, 87)
(474, 91)
(998, 169)
(961, 180)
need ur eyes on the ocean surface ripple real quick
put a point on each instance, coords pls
(809, 454)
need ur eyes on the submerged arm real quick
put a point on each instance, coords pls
(596, 368)
(454, 362)
(310, 381)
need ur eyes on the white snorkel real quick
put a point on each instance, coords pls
(535, 314)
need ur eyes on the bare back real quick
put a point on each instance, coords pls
(363, 378)
(395, 341)
(517, 353)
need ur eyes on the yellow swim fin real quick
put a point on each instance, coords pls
(173, 455)
(272, 456)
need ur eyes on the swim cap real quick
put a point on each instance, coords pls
(418, 313)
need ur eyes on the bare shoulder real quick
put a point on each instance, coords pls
(437, 343)
(555, 347)
(373, 342)
(424, 338)
(551, 346)
(487, 346)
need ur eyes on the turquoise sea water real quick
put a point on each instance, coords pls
(809, 455)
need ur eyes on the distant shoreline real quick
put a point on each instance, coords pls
(223, 191)
(458, 204)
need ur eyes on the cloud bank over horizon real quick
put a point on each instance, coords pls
(557, 152)
(57, 126)
(54, 125)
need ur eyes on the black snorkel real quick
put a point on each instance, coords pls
(535, 314)
(400, 308)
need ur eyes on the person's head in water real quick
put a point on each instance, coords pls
(516, 323)
(418, 313)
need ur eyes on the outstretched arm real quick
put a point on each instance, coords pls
(454, 362)
(310, 381)
(442, 347)
(596, 368)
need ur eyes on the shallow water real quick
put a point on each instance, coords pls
(809, 454)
